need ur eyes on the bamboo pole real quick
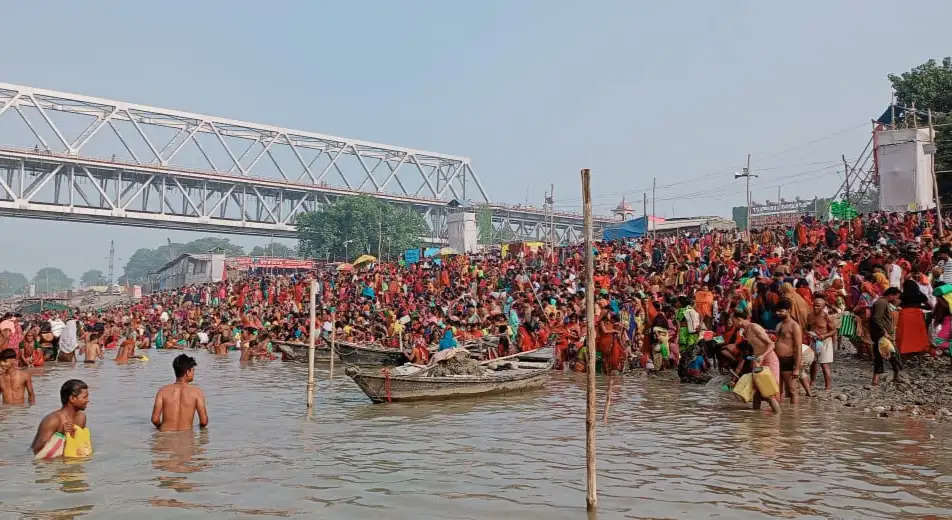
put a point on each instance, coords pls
(591, 498)
(333, 340)
(310, 350)
(935, 181)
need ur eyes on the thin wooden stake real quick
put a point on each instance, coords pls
(935, 181)
(310, 350)
(591, 499)
(333, 340)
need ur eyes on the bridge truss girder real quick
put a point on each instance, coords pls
(40, 185)
(140, 135)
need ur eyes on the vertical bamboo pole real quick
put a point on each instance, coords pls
(310, 350)
(935, 181)
(591, 498)
(333, 340)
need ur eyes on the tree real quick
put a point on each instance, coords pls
(51, 279)
(352, 226)
(11, 283)
(273, 249)
(929, 86)
(93, 277)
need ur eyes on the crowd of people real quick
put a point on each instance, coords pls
(783, 297)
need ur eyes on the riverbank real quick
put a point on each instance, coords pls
(922, 391)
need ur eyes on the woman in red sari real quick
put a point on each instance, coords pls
(609, 344)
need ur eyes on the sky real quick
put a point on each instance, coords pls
(531, 91)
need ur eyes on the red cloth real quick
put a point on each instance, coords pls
(911, 335)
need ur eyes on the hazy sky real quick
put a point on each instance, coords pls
(531, 91)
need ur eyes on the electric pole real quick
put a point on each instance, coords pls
(654, 181)
(846, 171)
(112, 261)
(747, 175)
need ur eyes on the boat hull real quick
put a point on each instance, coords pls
(322, 353)
(420, 388)
(353, 354)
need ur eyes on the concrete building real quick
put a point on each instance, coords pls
(189, 269)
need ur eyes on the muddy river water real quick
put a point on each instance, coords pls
(667, 451)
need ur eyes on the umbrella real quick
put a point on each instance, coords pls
(448, 251)
(363, 259)
(345, 267)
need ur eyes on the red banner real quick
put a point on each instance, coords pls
(247, 262)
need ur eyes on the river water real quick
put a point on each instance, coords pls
(668, 451)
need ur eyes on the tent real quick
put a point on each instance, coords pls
(363, 259)
(629, 229)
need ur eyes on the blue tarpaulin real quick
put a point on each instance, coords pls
(629, 229)
(431, 251)
(412, 256)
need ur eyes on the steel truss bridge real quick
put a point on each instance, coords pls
(79, 158)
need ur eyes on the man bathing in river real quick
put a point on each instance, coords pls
(15, 384)
(176, 404)
(763, 350)
(74, 394)
(789, 352)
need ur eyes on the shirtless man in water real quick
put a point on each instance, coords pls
(789, 341)
(176, 404)
(92, 348)
(763, 349)
(74, 394)
(14, 383)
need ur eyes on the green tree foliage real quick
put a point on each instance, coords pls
(146, 261)
(12, 283)
(364, 223)
(93, 277)
(929, 86)
(276, 249)
(51, 279)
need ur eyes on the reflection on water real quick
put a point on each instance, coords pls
(70, 475)
(179, 452)
(664, 451)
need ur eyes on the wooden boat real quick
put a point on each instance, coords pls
(381, 385)
(298, 351)
(369, 355)
(539, 355)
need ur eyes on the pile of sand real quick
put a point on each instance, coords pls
(455, 362)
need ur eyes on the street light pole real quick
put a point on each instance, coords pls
(747, 175)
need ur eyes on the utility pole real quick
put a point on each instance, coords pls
(379, 235)
(644, 200)
(654, 183)
(551, 215)
(112, 261)
(846, 170)
(747, 175)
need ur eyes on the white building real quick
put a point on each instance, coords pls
(189, 269)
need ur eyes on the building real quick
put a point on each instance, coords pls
(639, 227)
(623, 210)
(189, 269)
(703, 224)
